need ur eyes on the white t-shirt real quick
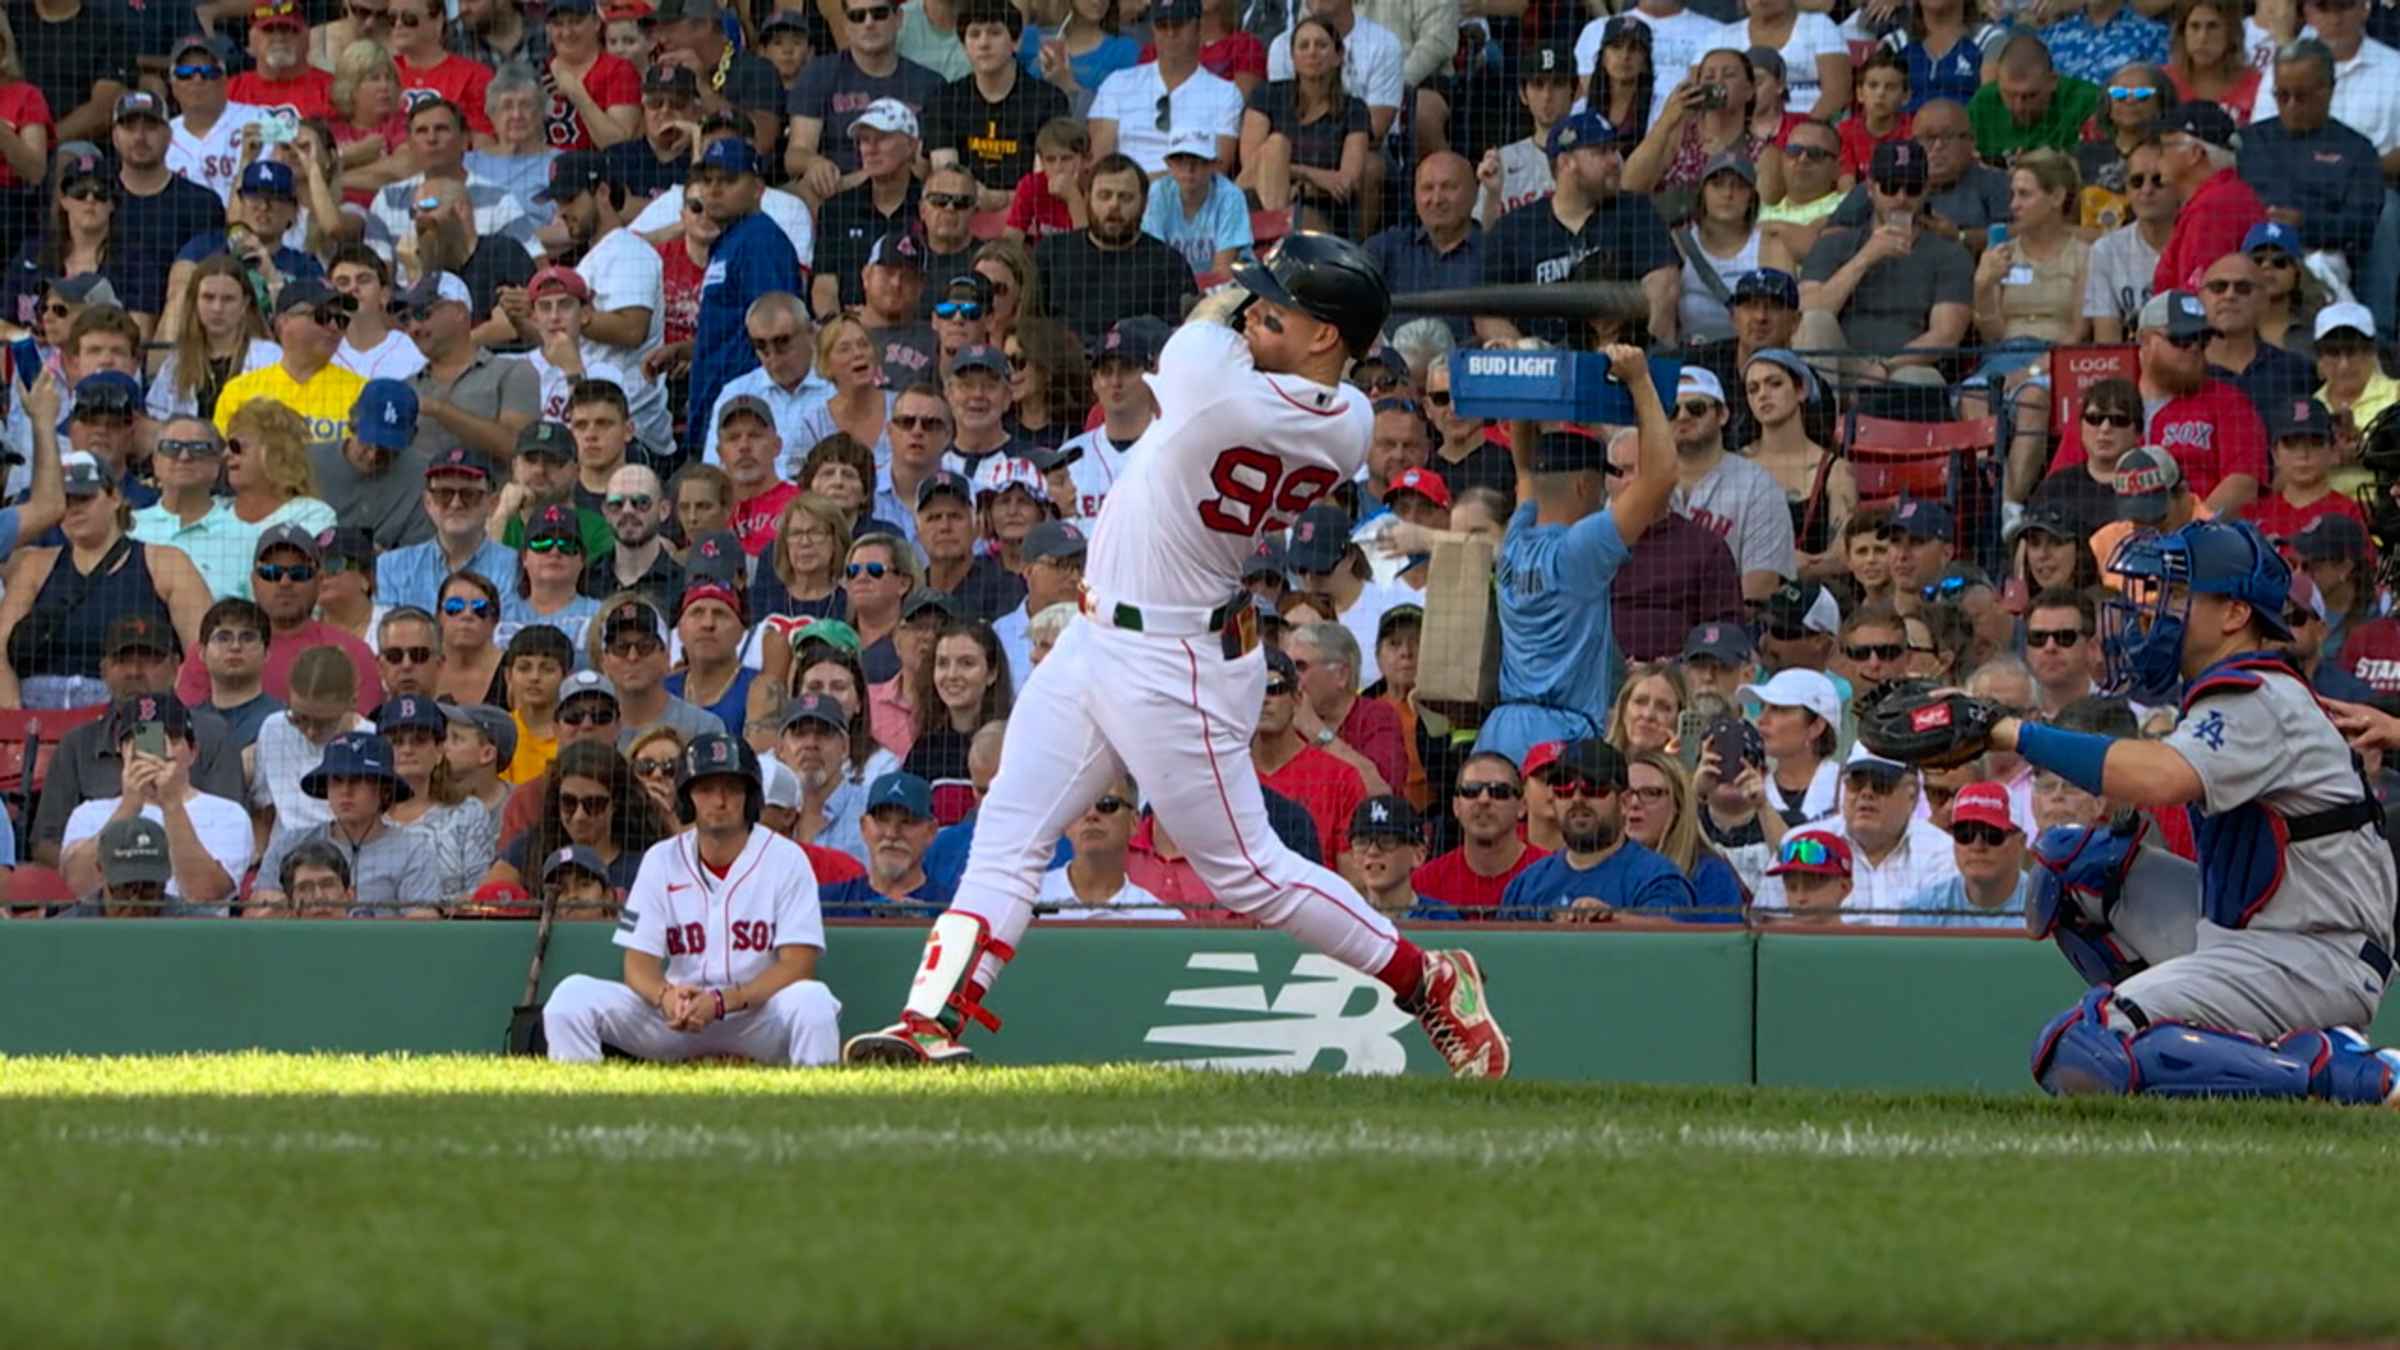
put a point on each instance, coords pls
(626, 273)
(394, 358)
(1813, 35)
(1130, 901)
(556, 383)
(223, 828)
(1524, 177)
(1677, 42)
(2366, 95)
(1372, 58)
(214, 161)
(2117, 283)
(1742, 504)
(1103, 462)
(1130, 99)
(789, 213)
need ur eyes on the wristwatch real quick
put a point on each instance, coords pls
(1325, 736)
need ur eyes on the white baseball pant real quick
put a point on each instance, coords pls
(799, 1025)
(1179, 716)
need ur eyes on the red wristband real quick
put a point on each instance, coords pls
(720, 995)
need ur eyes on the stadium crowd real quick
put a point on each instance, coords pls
(421, 425)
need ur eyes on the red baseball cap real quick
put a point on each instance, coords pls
(1982, 804)
(1813, 852)
(1424, 482)
(1541, 757)
(565, 278)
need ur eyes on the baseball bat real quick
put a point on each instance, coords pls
(1622, 300)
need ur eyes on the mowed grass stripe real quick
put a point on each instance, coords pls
(364, 1202)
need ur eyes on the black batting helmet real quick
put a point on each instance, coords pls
(714, 754)
(1326, 277)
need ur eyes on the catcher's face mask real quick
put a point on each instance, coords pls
(2141, 631)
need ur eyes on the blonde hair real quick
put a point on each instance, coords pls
(825, 513)
(361, 60)
(2052, 171)
(1681, 844)
(279, 437)
(832, 332)
(1664, 670)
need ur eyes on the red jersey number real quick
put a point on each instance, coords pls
(1255, 494)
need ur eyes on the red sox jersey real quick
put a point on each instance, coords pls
(717, 931)
(214, 161)
(1234, 454)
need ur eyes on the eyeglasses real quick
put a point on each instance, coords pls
(1647, 794)
(181, 449)
(773, 343)
(1694, 407)
(1572, 789)
(2096, 417)
(1499, 792)
(950, 201)
(958, 309)
(576, 804)
(589, 713)
(2229, 285)
(199, 72)
(654, 766)
(1111, 804)
(630, 501)
(407, 656)
(553, 543)
(1986, 836)
(915, 422)
(2137, 94)
(634, 649)
(2065, 639)
(2137, 181)
(1811, 152)
(1807, 851)
(88, 192)
(1878, 651)
(236, 637)
(871, 14)
(2272, 259)
(872, 571)
(282, 572)
(459, 604)
(1166, 107)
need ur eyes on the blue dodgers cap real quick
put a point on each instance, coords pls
(385, 415)
(355, 754)
(1586, 130)
(271, 177)
(730, 155)
(2272, 234)
(903, 790)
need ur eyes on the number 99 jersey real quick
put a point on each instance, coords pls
(1235, 454)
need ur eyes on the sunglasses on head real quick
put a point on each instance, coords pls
(2065, 639)
(2101, 417)
(958, 309)
(576, 804)
(1806, 851)
(589, 713)
(279, 572)
(1571, 789)
(1977, 833)
(459, 604)
(1876, 651)
(1499, 792)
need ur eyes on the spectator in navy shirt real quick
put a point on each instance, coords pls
(1441, 248)
(1598, 870)
(898, 827)
(751, 258)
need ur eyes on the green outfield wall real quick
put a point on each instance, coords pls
(1841, 1010)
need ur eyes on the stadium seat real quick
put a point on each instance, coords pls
(1950, 462)
(2075, 369)
(28, 741)
(953, 798)
(31, 885)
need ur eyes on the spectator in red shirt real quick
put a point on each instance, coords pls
(1326, 787)
(1049, 200)
(747, 445)
(1363, 733)
(1487, 803)
(426, 64)
(1880, 115)
(2304, 455)
(283, 81)
(595, 99)
(2210, 428)
(285, 578)
(2196, 149)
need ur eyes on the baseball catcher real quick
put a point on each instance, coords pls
(2242, 977)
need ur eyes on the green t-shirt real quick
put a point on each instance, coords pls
(1999, 139)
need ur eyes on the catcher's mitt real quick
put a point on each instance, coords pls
(1919, 723)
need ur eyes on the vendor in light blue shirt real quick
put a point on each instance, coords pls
(1196, 210)
(1989, 890)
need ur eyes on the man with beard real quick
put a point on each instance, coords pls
(2213, 432)
(1599, 871)
(896, 307)
(898, 826)
(636, 510)
(1766, 313)
(1092, 277)
(283, 82)
(625, 317)
(445, 236)
(495, 32)
(465, 395)
(751, 258)
(396, 216)
(750, 899)
(658, 160)
(1487, 802)
(1729, 495)
(1585, 215)
(157, 209)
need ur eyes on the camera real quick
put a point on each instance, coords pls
(1713, 96)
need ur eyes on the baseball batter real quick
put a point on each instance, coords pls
(2253, 990)
(1164, 679)
(721, 936)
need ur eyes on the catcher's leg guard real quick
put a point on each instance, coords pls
(945, 996)
(2104, 1045)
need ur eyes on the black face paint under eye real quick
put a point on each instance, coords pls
(1268, 321)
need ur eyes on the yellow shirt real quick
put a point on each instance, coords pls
(324, 402)
(2382, 392)
(533, 756)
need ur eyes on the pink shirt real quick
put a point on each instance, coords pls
(191, 680)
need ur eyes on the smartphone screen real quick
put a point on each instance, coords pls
(26, 355)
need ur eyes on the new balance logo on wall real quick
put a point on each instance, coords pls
(1324, 1007)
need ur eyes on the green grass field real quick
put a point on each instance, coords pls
(262, 1201)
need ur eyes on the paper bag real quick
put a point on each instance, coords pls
(1458, 664)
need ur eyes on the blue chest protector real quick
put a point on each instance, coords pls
(2241, 851)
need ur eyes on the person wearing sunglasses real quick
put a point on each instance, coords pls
(2123, 259)
(471, 662)
(2082, 491)
(205, 145)
(188, 514)
(1387, 848)
(898, 826)
(962, 316)
(550, 576)
(1809, 881)
(287, 574)
(1486, 802)
(419, 42)
(635, 508)
(457, 499)
(1895, 854)
(881, 196)
(1092, 884)
(784, 340)
(2062, 647)
(309, 319)
(630, 647)
(1599, 869)
(2318, 174)
(409, 653)
(2232, 292)
(587, 798)
(1918, 281)
(819, 154)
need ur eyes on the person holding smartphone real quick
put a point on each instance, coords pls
(209, 839)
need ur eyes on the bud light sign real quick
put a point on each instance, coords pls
(1549, 386)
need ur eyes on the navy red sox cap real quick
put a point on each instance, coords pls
(139, 632)
(164, 709)
(409, 711)
(578, 856)
(460, 461)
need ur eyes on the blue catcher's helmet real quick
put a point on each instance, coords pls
(2141, 631)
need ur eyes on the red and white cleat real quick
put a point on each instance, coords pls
(1457, 1016)
(911, 1041)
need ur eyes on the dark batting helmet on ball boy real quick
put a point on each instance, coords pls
(1327, 278)
(715, 755)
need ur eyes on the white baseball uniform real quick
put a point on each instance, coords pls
(214, 161)
(1140, 683)
(646, 400)
(1102, 463)
(713, 932)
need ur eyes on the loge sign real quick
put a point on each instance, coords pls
(1549, 386)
